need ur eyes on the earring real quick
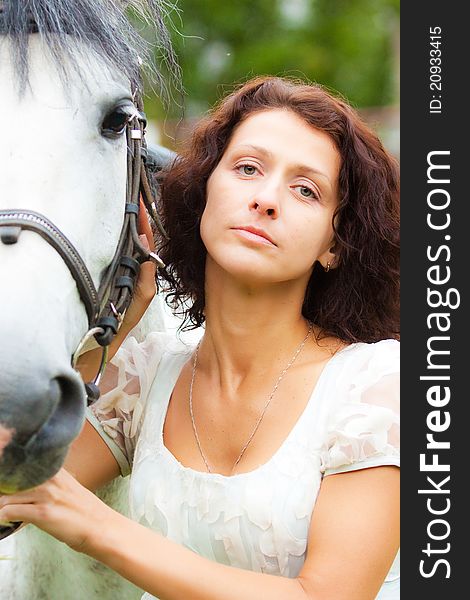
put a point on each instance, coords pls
(327, 268)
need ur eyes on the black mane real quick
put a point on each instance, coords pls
(104, 26)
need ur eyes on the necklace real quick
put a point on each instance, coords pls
(260, 418)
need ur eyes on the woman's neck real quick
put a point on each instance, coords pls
(250, 329)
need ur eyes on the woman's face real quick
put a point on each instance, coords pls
(271, 199)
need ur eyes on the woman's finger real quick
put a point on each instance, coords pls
(24, 513)
(23, 498)
(144, 226)
(146, 287)
(61, 507)
(42, 493)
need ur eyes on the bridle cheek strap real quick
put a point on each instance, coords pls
(13, 222)
(106, 306)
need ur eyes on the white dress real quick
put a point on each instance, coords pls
(257, 520)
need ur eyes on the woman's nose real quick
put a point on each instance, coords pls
(266, 201)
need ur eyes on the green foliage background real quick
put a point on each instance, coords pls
(347, 45)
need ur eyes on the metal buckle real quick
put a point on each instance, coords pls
(117, 314)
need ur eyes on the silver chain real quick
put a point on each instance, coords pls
(258, 422)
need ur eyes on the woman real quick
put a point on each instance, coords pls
(271, 448)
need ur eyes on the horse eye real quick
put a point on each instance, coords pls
(115, 122)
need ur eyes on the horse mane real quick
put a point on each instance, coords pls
(107, 28)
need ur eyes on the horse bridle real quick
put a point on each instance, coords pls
(106, 305)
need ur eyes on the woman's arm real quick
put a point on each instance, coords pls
(145, 290)
(90, 461)
(354, 534)
(353, 540)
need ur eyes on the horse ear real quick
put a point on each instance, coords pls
(143, 226)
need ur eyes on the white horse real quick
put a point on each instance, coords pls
(69, 74)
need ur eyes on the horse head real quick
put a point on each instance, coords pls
(67, 196)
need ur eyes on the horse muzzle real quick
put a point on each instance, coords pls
(37, 425)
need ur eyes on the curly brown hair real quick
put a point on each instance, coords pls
(358, 301)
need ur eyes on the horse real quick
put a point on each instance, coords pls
(74, 167)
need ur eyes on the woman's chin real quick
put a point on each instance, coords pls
(242, 271)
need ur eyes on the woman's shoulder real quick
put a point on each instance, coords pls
(387, 345)
(364, 373)
(125, 388)
(366, 370)
(363, 420)
(382, 356)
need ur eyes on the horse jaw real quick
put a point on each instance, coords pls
(54, 162)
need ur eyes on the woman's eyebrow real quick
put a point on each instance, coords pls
(297, 167)
(310, 171)
(259, 149)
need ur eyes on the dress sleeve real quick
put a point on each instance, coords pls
(364, 428)
(117, 415)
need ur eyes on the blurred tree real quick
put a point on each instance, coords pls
(347, 45)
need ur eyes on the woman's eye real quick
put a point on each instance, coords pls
(115, 122)
(247, 169)
(306, 192)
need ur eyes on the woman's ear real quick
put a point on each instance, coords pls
(328, 259)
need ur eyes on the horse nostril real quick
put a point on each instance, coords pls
(37, 429)
(46, 411)
(71, 397)
(66, 419)
(38, 407)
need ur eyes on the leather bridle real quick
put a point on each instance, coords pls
(106, 305)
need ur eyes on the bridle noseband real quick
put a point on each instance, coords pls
(106, 305)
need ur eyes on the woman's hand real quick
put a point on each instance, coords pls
(144, 292)
(61, 507)
(145, 288)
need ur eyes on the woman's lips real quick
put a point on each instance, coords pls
(255, 235)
